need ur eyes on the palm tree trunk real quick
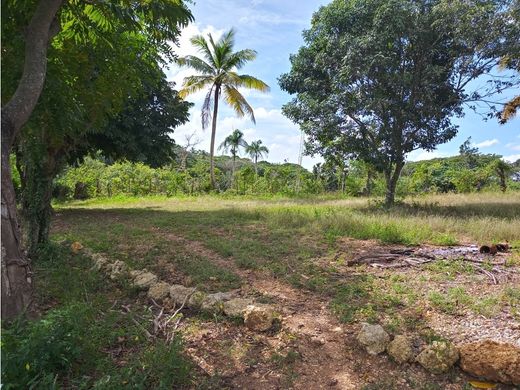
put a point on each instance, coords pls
(213, 133)
(256, 166)
(233, 170)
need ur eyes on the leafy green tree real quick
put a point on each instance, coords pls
(141, 132)
(256, 150)
(233, 143)
(502, 169)
(217, 71)
(67, 40)
(381, 78)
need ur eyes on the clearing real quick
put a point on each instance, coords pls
(298, 255)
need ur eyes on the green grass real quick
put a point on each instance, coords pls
(83, 340)
(284, 236)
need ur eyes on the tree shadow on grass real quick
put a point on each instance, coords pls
(502, 210)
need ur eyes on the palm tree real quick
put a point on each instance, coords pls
(232, 143)
(217, 71)
(256, 150)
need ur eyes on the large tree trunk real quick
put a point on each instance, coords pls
(16, 276)
(391, 182)
(213, 133)
(16, 269)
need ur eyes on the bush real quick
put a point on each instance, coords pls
(34, 354)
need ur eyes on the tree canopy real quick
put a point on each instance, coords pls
(378, 79)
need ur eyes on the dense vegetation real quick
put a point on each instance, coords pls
(375, 80)
(96, 177)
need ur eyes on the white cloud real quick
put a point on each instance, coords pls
(418, 155)
(513, 146)
(177, 74)
(511, 158)
(487, 143)
(278, 133)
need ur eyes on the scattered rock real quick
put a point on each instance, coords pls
(159, 291)
(236, 307)
(491, 360)
(75, 247)
(180, 294)
(100, 263)
(143, 279)
(259, 318)
(118, 269)
(196, 299)
(215, 302)
(401, 349)
(438, 357)
(373, 338)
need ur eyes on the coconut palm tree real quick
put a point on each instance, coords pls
(256, 150)
(232, 143)
(217, 68)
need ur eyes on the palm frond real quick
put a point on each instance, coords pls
(510, 110)
(239, 59)
(246, 81)
(205, 114)
(200, 42)
(194, 84)
(197, 63)
(238, 103)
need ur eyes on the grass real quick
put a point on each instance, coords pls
(284, 236)
(83, 340)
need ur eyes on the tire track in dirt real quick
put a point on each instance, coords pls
(326, 360)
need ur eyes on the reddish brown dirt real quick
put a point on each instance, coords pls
(328, 355)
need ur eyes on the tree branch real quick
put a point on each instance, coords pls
(18, 109)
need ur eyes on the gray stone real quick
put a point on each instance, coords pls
(259, 317)
(236, 307)
(373, 338)
(159, 291)
(118, 270)
(401, 349)
(100, 263)
(215, 302)
(144, 280)
(438, 357)
(196, 299)
(180, 294)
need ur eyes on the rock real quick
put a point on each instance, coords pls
(143, 279)
(259, 317)
(118, 269)
(179, 293)
(236, 307)
(491, 360)
(159, 291)
(75, 247)
(373, 338)
(196, 299)
(438, 357)
(100, 263)
(401, 349)
(215, 302)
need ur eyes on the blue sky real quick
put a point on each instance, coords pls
(273, 28)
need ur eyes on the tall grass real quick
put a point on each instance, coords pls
(438, 219)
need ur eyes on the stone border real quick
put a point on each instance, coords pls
(487, 359)
(256, 316)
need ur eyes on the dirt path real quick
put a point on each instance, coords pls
(328, 356)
